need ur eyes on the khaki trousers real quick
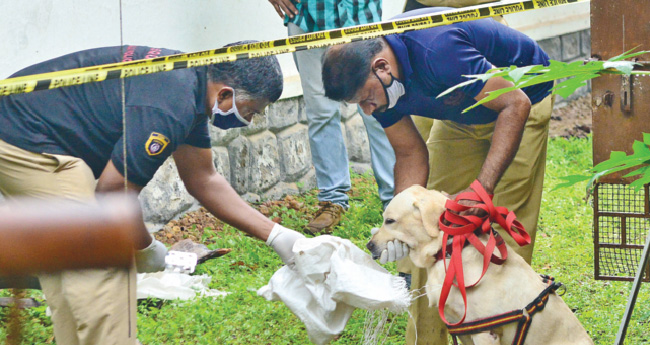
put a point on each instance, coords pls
(91, 306)
(456, 155)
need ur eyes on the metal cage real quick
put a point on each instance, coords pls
(621, 225)
(621, 106)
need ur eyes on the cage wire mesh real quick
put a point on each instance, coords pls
(621, 224)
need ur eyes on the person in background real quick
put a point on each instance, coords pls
(327, 145)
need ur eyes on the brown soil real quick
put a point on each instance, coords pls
(572, 120)
(193, 225)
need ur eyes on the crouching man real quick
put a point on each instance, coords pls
(57, 143)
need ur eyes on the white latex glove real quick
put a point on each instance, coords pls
(152, 258)
(281, 240)
(395, 250)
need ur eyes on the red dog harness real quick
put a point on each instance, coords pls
(523, 316)
(465, 229)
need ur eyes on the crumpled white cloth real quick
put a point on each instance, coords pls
(331, 278)
(174, 285)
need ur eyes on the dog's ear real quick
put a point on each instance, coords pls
(430, 207)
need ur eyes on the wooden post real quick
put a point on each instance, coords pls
(52, 235)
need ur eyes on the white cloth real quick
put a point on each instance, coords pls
(173, 285)
(331, 277)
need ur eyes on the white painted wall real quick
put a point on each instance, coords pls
(553, 21)
(37, 30)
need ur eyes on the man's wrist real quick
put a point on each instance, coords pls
(151, 258)
(275, 231)
(282, 239)
(487, 186)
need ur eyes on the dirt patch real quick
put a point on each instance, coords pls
(193, 226)
(201, 226)
(572, 120)
(267, 208)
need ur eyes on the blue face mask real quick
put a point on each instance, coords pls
(228, 119)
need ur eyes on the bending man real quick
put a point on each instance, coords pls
(502, 144)
(58, 142)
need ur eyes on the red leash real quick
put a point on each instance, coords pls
(466, 229)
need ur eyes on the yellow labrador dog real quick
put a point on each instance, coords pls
(412, 217)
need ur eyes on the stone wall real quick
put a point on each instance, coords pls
(266, 160)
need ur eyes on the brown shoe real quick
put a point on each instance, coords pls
(327, 217)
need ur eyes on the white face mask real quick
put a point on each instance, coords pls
(393, 91)
(230, 118)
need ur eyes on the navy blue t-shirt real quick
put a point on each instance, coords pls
(436, 59)
(163, 111)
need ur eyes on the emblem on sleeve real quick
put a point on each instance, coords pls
(156, 144)
(454, 99)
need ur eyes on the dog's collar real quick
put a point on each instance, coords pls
(438, 255)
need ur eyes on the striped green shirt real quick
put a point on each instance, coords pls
(317, 15)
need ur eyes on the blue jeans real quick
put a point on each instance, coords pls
(328, 152)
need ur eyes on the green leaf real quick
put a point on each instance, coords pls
(570, 181)
(640, 147)
(555, 65)
(594, 179)
(640, 171)
(638, 184)
(491, 95)
(628, 164)
(577, 72)
(617, 155)
(451, 89)
(473, 79)
(517, 73)
(628, 54)
(624, 67)
(619, 161)
(569, 86)
(618, 158)
(646, 138)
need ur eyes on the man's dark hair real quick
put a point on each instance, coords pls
(257, 78)
(346, 68)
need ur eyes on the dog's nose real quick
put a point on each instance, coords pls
(372, 247)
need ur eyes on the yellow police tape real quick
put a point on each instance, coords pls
(319, 39)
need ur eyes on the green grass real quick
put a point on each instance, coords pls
(564, 249)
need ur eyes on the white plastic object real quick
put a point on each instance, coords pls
(172, 286)
(330, 278)
(180, 262)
